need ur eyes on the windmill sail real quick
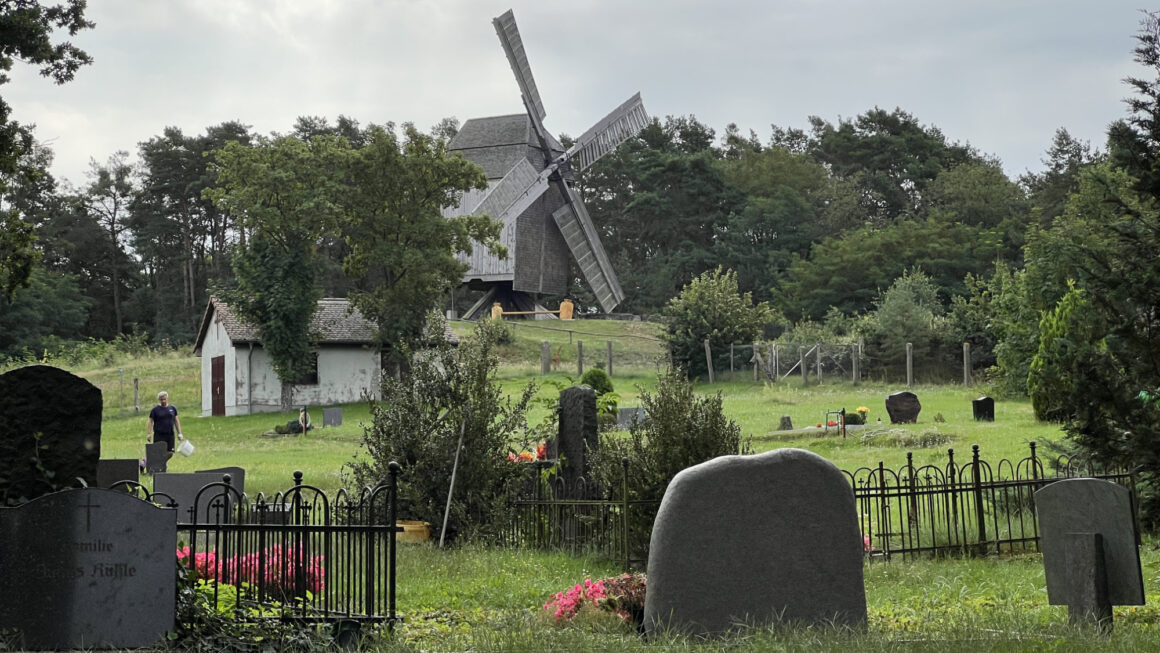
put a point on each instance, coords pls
(580, 235)
(621, 124)
(513, 47)
(521, 186)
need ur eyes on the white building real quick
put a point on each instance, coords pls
(238, 378)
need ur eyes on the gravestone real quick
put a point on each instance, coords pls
(181, 491)
(50, 421)
(156, 457)
(984, 409)
(332, 416)
(237, 476)
(903, 407)
(625, 417)
(578, 431)
(115, 470)
(97, 571)
(1091, 559)
(786, 424)
(757, 539)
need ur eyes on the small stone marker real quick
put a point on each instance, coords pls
(1091, 560)
(182, 491)
(332, 416)
(578, 431)
(625, 417)
(760, 539)
(156, 457)
(115, 470)
(49, 420)
(786, 424)
(984, 409)
(903, 407)
(96, 571)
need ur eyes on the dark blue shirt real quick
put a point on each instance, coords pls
(163, 417)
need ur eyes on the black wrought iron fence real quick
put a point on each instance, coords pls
(961, 509)
(971, 508)
(297, 554)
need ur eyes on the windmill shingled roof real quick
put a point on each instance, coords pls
(335, 321)
(498, 142)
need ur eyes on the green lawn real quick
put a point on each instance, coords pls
(757, 407)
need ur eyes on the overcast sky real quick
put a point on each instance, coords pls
(1001, 75)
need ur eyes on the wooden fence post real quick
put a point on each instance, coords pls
(802, 364)
(818, 360)
(579, 356)
(966, 363)
(545, 357)
(755, 359)
(909, 365)
(609, 342)
(776, 362)
(731, 358)
(136, 394)
(854, 356)
(709, 361)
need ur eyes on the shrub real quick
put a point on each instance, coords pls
(419, 422)
(682, 430)
(598, 380)
(711, 308)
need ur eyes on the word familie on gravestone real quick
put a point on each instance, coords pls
(983, 409)
(97, 570)
(759, 539)
(903, 407)
(1091, 557)
(50, 432)
(578, 432)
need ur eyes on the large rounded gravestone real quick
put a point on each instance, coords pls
(767, 538)
(50, 432)
(903, 407)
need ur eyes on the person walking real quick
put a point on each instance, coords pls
(163, 422)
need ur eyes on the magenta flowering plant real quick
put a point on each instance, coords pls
(275, 570)
(623, 595)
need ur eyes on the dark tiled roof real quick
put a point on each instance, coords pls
(498, 142)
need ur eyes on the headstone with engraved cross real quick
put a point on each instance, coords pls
(96, 571)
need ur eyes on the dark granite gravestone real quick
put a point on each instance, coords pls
(114, 470)
(237, 476)
(786, 424)
(332, 416)
(96, 571)
(181, 491)
(760, 539)
(50, 421)
(903, 407)
(156, 457)
(1087, 532)
(984, 409)
(625, 416)
(578, 431)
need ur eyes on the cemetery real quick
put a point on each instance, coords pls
(727, 474)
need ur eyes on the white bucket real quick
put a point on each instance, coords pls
(185, 448)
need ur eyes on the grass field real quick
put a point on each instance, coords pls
(757, 407)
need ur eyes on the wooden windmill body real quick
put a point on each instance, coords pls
(545, 224)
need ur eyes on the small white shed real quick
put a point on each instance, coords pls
(238, 378)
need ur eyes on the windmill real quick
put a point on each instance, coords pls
(530, 191)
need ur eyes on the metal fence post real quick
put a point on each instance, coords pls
(393, 467)
(980, 517)
(624, 508)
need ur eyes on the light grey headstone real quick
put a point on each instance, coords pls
(156, 457)
(96, 571)
(625, 416)
(758, 539)
(578, 432)
(1093, 506)
(114, 470)
(332, 416)
(182, 491)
